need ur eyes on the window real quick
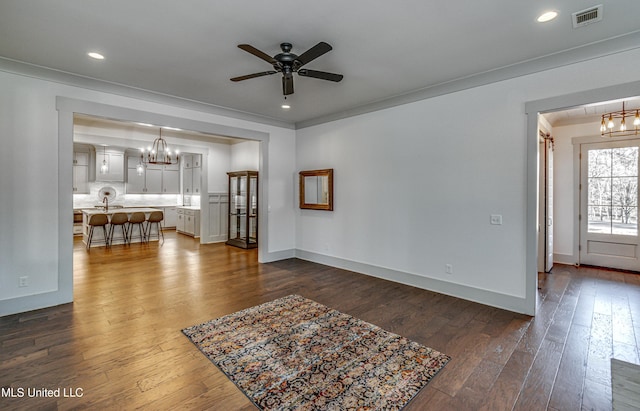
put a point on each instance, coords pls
(613, 191)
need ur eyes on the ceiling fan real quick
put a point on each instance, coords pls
(288, 63)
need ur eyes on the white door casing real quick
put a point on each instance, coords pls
(549, 203)
(545, 204)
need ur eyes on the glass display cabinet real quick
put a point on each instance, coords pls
(243, 209)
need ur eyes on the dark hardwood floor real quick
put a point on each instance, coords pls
(119, 345)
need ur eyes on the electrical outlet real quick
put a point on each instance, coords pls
(496, 219)
(448, 268)
(24, 281)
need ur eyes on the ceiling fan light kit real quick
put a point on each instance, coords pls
(288, 63)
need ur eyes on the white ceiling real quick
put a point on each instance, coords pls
(591, 113)
(96, 127)
(188, 49)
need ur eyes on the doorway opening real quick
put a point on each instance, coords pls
(68, 108)
(195, 183)
(595, 183)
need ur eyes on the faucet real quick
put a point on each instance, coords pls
(106, 200)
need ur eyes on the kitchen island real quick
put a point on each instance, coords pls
(98, 235)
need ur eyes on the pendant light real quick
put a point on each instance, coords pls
(608, 123)
(104, 168)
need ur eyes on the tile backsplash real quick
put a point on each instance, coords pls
(128, 200)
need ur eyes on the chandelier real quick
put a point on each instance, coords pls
(157, 153)
(608, 123)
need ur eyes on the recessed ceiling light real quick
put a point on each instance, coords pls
(285, 106)
(145, 124)
(171, 128)
(548, 16)
(95, 55)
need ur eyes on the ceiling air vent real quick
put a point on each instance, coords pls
(588, 16)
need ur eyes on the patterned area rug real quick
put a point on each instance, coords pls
(296, 354)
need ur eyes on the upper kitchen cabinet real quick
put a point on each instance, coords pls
(114, 161)
(191, 173)
(154, 179)
(171, 179)
(81, 157)
(192, 160)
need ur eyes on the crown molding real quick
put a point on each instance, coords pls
(564, 58)
(579, 54)
(63, 77)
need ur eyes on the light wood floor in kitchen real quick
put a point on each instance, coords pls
(120, 341)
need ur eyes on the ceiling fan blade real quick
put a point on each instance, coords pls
(313, 53)
(287, 84)
(260, 54)
(248, 76)
(321, 75)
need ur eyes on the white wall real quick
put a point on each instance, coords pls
(245, 156)
(219, 160)
(28, 188)
(415, 185)
(34, 192)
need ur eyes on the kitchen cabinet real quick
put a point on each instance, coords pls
(188, 221)
(115, 164)
(156, 179)
(80, 172)
(191, 173)
(192, 160)
(180, 221)
(170, 180)
(153, 179)
(170, 217)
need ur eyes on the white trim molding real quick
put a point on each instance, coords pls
(486, 297)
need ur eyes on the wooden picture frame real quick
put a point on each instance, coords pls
(316, 189)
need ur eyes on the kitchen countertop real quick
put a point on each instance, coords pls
(92, 211)
(114, 206)
(189, 207)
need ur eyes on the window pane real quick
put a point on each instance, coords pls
(624, 161)
(599, 220)
(624, 191)
(600, 163)
(599, 191)
(625, 220)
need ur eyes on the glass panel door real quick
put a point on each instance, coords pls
(609, 204)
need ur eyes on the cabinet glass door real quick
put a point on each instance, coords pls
(243, 209)
(252, 197)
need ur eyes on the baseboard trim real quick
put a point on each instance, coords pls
(216, 239)
(564, 259)
(486, 297)
(33, 302)
(278, 255)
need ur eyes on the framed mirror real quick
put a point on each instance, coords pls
(316, 189)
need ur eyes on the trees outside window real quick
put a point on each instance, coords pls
(613, 191)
